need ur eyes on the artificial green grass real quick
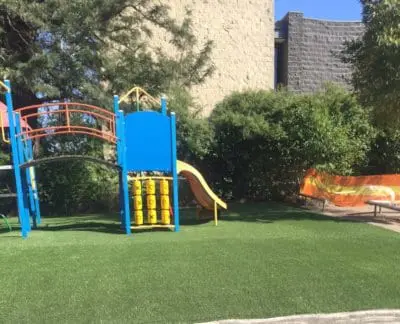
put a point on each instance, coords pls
(262, 260)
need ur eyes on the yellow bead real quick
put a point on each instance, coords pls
(151, 202)
(152, 216)
(138, 203)
(139, 217)
(165, 217)
(165, 202)
(137, 187)
(164, 187)
(150, 187)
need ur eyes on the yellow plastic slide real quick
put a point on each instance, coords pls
(204, 195)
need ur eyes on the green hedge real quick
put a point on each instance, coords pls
(384, 156)
(264, 141)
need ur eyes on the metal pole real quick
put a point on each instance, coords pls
(23, 156)
(17, 172)
(124, 175)
(174, 172)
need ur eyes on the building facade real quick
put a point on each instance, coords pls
(243, 36)
(307, 52)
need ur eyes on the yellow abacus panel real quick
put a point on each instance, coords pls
(137, 187)
(150, 187)
(151, 202)
(152, 216)
(138, 203)
(165, 202)
(164, 187)
(139, 217)
(165, 217)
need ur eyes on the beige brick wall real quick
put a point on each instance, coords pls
(243, 35)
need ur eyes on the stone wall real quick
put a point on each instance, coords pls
(243, 35)
(312, 47)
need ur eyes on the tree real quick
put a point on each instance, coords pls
(376, 60)
(194, 134)
(89, 49)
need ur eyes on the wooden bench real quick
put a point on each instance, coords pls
(379, 204)
(322, 200)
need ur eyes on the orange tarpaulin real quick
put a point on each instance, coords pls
(347, 191)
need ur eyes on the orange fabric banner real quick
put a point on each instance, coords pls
(348, 191)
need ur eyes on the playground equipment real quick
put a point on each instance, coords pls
(156, 217)
(144, 142)
(350, 191)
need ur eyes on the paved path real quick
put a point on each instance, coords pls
(388, 219)
(388, 316)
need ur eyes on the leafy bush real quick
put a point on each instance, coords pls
(265, 140)
(194, 134)
(75, 186)
(71, 187)
(384, 156)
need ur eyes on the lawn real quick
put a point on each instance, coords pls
(262, 260)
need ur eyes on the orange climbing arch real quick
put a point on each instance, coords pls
(67, 118)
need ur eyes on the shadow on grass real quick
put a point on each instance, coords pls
(3, 233)
(274, 212)
(106, 228)
(90, 226)
(86, 226)
(250, 212)
(107, 223)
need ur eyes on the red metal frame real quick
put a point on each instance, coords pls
(101, 115)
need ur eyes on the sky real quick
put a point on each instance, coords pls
(320, 9)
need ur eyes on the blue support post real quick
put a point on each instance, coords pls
(164, 105)
(17, 172)
(33, 195)
(124, 176)
(125, 216)
(35, 192)
(174, 172)
(121, 199)
(119, 163)
(36, 197)
(30, 194)
(28, 179)
(23, 157)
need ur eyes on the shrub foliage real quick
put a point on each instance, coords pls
(264, 140)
